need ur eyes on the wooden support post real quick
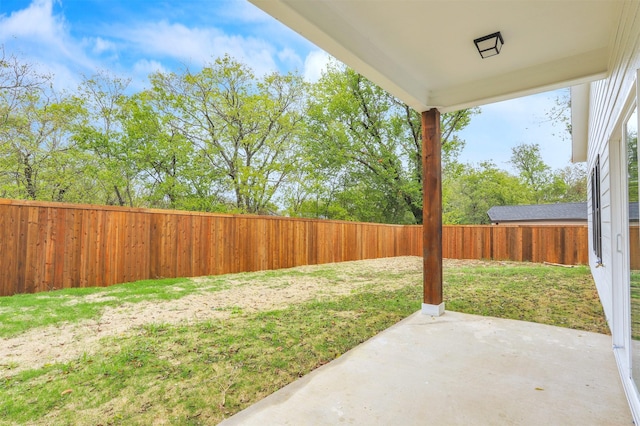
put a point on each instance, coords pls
(432, 213)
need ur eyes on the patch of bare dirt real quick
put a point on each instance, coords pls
(63, 343)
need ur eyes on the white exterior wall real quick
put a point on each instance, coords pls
(610, 101)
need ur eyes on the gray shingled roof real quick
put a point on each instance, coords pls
(561, 211)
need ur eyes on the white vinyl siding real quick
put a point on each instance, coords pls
(610, 100)
(607, 102)
(608, 96)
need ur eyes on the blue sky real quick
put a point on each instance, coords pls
(133, 38)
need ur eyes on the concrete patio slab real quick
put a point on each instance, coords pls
(457, 369)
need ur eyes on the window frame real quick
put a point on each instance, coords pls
(596, 210)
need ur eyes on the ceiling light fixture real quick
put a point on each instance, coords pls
(489, 45)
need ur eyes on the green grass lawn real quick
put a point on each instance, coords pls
(204, 371)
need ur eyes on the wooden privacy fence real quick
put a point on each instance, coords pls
(566, 244)
(45, 246)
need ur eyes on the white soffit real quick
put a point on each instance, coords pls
(422, 51)
(579, 122)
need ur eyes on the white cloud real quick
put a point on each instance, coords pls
(315, 64)
(146, 67)
(101, 45)
(41, 37)
(140, 73)
(172, 40)
(197, 46)
(40, 34)
(63, 78)
(36, 21)
(290, 58)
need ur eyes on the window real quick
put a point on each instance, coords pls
(595, 210)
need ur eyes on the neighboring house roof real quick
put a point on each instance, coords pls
(423, 52)
(548, 212)
(542, 212)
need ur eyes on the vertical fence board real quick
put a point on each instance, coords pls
(32, 252)
(550, 240)
(41, 243)
(21, 249)
(583, 245)
(134, 262)
(203, 244)
(312, 248)
(183, 254)
(196, 246)
(54, 245)
(90, 253)
(229, 243)
(59, 251)
(143, 232)
(10, 250)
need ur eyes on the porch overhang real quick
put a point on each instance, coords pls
(423, 52)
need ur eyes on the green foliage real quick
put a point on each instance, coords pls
(244, 130)
(363, 148)
(560, 114)
(99, 131)
(217, 140)
(545, 185)
(224, 140)
(173, 174)
(534, 173)
(38, 160)
(470, 193)
(572, 183)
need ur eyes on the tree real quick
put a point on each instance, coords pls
(368, 146)
(472, 191)
(535, 174)
(545, 185)
(245, 130)
(168, 169)
(572, 183)
(17, 80)
(38, 160)
(99, 131)
(560, 113)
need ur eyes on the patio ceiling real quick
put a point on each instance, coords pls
(422, 51)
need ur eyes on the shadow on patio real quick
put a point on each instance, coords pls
(457, 369)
